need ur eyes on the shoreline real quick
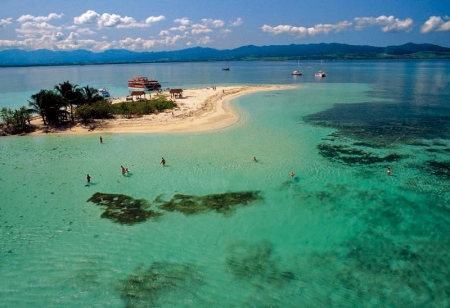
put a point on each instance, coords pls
(199, 110)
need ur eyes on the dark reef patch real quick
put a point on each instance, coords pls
(256, 263)
(222, 203)
(439, 169)
(398, 258)
(386, 123)
(161, 283)
(123, 209)
(351, 155)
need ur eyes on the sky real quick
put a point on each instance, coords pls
(166, 25)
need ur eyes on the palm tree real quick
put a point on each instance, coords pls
(71, 95)
(90, 95)
(46, 103)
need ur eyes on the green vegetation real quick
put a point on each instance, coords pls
(67, 103)
(143, 107)
(17, 121)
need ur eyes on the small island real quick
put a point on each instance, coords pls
(68, 109)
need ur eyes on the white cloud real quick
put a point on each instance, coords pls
(107, 20)
(435, 23)
(5, 22)
(33, 29)
(171, 40)
(387, 23)
(153, 19)
(204, 40)
(39, 19)
(302, 32)
(59, 36)
(236, 23)
(183, 21)
(85, 31)
(215, 23)
(199, 29)
(90, 17)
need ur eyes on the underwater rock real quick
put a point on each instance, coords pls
(439, 169)
(385, 124)
(255, 262)
(123, 209)
(222, 203)
(350, 156)
(147, 287)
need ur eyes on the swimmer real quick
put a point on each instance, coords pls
(163, 161)
(292, 175)
(389, 172)
(88, 178)
(254, 159)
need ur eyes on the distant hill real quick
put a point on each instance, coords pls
(15, 57)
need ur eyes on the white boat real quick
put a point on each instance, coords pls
(297, 72)
(103, 92)
(321, 73)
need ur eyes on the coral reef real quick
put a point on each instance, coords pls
(161, 282)
(256, 263)
(123, 209)
(222, 203)
(351, 156)
(439, 169)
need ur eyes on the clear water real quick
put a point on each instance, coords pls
(342, 233)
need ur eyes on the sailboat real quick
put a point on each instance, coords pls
(297, 72)
(321, 73)
(226, 68)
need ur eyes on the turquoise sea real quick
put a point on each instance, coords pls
(341, 233)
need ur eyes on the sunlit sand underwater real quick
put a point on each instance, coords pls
(341, 233)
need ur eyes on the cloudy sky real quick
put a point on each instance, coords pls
(150, 25)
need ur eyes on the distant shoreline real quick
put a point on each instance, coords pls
(387, 58)
(303, 52)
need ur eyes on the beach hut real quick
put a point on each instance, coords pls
(138, 94)
(177, 93)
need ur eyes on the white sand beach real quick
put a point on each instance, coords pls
(199, 109)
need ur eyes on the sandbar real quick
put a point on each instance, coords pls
(199, 110)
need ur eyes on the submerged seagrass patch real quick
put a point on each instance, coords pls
(124, 209)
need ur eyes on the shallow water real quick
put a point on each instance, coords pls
(342, 233)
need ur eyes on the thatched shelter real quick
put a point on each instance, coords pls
(138, 95)
(176, 93)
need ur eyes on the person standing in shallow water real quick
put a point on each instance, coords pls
(389, 171)
(88, 178)
(163, 161)
(101, 139)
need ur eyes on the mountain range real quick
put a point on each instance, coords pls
(333, 51)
